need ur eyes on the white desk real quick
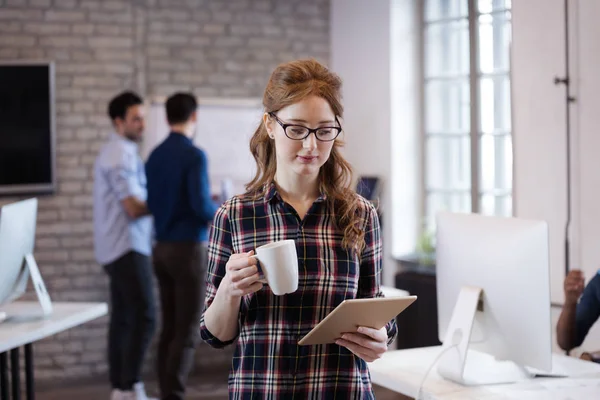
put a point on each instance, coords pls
(15, 333)
(403, 370)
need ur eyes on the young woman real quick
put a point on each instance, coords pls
(301, 191)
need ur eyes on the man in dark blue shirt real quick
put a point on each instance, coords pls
(180, 201)
(578, 314)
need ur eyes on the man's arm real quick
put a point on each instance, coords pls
(134, 207)
(199, 190)
(576, 319)
(122, 178)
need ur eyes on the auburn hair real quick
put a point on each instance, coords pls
(290, 83)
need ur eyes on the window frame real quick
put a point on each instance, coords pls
(475, 134)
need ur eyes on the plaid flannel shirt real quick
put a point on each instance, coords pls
(268, 363)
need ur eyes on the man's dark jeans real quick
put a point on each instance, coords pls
(132, 318)
(180, 269)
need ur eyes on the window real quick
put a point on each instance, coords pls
(467, 123)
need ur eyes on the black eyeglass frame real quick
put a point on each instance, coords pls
(285, 126)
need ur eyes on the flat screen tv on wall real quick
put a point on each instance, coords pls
(27, 128)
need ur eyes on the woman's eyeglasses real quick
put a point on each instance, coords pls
(300, 132)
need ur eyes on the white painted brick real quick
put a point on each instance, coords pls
(86, 133)
(69, 94)
(65, 134)
(81, 55)
(70, 188)
(83, 107)
(93, 81)
(39, 3)
(200, 41)
(104, 42)
(9, 53)
(214, 29)
(84, 281)
(62, 41)
(16, 3)
(72, 269)
(95, 357)
(10, 27)
(12, 14)
(47, 215)
(90, 4)
(245, 30)
(108, 30)
(83, 29)
(77, 242)
(43, 256)
(17, 40)
(108, 17)
(169, 15)
(115, 5)
(71, 120)
(65, 3)
(64, 16)
(74, 347)
(167, 39)
(83, 201)
(231, 41)
(269, 43)
(72, 215)
(47, 243)
(47, 347)
(55, 201)
(59, 283)
(88, 159)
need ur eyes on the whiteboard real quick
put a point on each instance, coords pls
(224, 129)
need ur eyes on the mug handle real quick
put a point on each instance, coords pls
(263, 280)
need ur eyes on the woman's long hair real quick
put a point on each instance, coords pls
(290, 83)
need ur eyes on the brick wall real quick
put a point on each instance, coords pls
(212, 47)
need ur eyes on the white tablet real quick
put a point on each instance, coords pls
(350, 314)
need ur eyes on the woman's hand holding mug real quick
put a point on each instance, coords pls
(241, 275)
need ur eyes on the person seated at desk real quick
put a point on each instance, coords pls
(580, 311)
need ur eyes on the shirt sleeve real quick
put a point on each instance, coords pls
(369, 284)
(219, 250)
(121, 174)
(199, 189)
(588, 310)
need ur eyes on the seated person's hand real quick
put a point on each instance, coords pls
(367, 343)
(573, 286)
(241, 276)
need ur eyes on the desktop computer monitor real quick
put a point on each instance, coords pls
(17, 240)
(493, 297)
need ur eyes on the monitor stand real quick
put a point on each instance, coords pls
(470, 367)
(41, 292)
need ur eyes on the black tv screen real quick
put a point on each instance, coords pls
(27, 133)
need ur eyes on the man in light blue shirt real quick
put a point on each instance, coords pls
(122, 242)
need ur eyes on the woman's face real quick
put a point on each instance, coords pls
(302, 157)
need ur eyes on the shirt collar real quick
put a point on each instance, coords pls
(126, 142)
(271, 193)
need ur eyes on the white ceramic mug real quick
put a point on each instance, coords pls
(279, 265)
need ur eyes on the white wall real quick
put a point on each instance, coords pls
(361, 43)
(539, 123)
(587, 110)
